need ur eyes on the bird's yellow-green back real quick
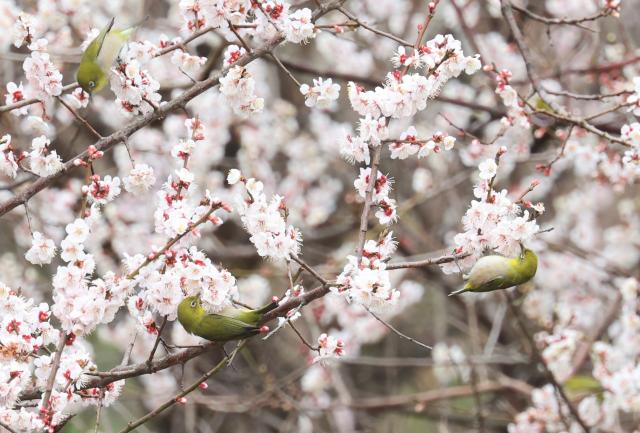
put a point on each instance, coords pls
(99, 57)
(230, 324)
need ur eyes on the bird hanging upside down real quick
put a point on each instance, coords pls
(497, 272)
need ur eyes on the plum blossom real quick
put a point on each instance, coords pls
(42, 250)
(8, 160)
(238, 87)
(44, 162)
(409, 144)
(102, 190)
(140, 179)
(25, 30)
(329, 347)
(187, 63)
(367, 282)
(136, 90)
(264, 220)
(322, 94)
(232, 53)
(298, 26)
(488, 169)
(15, 94)
(45, 79)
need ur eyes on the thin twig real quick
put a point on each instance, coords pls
(80, 119)
(406, 337)
(364, 217)
(427, 262)
(355, 19)
(157, 342)
(219, 366)
(51, 380)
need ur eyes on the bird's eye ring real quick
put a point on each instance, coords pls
(92, 84)
(193, 304)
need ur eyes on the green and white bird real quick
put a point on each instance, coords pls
(230, 324)
(99, 57)
(496, 272)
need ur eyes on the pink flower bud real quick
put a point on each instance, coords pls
(264, 329)
(181, 400)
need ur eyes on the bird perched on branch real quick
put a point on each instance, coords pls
(100, 55)
(495, 272)
(230, 324)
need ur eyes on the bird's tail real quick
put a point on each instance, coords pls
(267, 308)
(466, 288)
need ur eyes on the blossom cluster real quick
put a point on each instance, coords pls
(274, 18)
(321, 94)
(402, 95)
(265, 220)
(493, 222)
(24, 334)
(409, 144)
(178, 204)
(180, 272)
(516, 114)
(42, 160)
(44, 78)
(366, 281)
(80, 303)
(238, 88)
(135, 89)
(387, 207)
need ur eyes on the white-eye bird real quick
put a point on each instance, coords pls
(496, 272)
(229, 324)
(99, 57)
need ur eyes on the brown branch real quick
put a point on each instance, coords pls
(355, 19)
(7, 428)
(364, 217)
(423, 398)
(167, 404)
(309, 269)
(157, 342)
(80, 119)
(25, 102)
(373, 82)
(395, 331)
(563, 21)
(427, 262)
(54, 370)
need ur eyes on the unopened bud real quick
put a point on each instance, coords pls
(203, 386)
(181, 400)
(264, 329)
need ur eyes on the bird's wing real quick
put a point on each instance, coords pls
(95, 47)
(489, 270)
(215, 327)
